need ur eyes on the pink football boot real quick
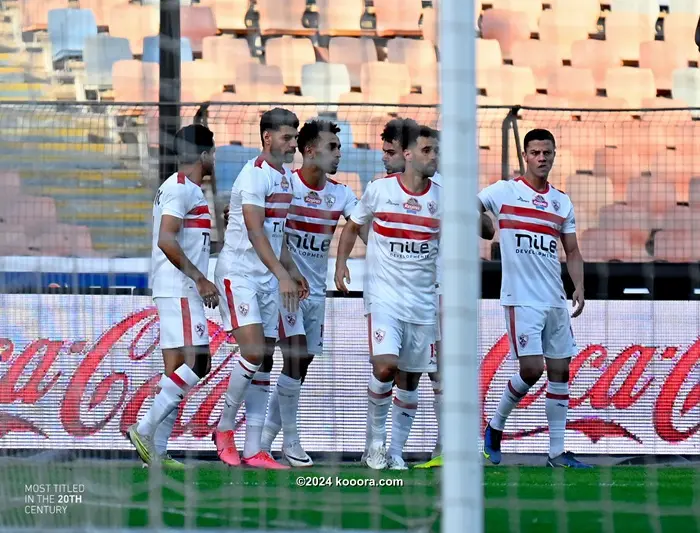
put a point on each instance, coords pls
(263, 459)
(226, 447)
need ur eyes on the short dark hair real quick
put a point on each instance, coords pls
(412, 132)
(274, 119)
(393, 129)
(311, 131)
(191, 141)
(538, 135)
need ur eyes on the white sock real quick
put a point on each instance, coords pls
(556, 406)
(255, 409)
(437, 407)
(238, 382)
(288, 390)
(514, 392)
(378, 402)
(172, 392)
(163, 431)
(403, 412)
(273, 422)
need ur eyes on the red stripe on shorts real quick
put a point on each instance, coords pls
(186, 322)
(231, 304)
(281, 334)
(513, 339)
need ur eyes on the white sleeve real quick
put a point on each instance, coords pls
(490, 197)
(569, 225)
(365, 208)
(350, 202)
(173, 201)
(253, 186)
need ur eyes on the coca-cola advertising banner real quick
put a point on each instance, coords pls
(76, 371)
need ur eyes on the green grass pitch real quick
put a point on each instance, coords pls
(209, 495)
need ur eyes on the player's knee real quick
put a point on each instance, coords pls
(268, 362)
(384, 368)
(531, 369)
(558, 375)
(202, 365)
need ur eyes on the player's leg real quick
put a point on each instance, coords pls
(524, 326)
(385, 338)
(403, 413)
(559, 347)
(184, 341)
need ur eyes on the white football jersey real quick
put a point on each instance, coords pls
(261, 185)
(180, 198)
(530, 224)
(311, 222)
(402, 248)
(437, 178)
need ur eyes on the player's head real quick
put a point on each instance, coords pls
(194, 144)
(420, 149)
(391, 145)
(278, 133)
(539, 150)
(319, 145)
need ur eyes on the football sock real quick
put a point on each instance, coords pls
(172, 392)
(255, 408)
(241, 376)
(378, 402)
(514, 392)
(556, 406)
(273, 422)
(288, 390)
(403, 412)
(163, 431)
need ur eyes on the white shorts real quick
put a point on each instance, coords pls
(438, 323)
(540, 331)
(242, 306)
(413, 343)
(182, 322)
(308, 321)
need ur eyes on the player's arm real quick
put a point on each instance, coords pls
(360, 217)
(487, 229)
(574, 262)
(288, 263)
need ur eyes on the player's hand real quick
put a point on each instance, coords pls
(303, 286)
(579, 302)
(207, 290)
(342, 275)
(289, 291)
(226, 211)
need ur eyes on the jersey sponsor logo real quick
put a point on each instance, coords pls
(556, 205)
(542, 245)
(412, 205)
(330, 200)
(309, 245)
(522, 340)
(539, 202)
(432, 207)
(379, 335)
(313, 198)
(284, 183)
(243, 309)
(200, 329)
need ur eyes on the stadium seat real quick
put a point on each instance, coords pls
(135, 23)
(530, 9)
(102, 51)
(621, 217)
(662, 58)
(539, 57)
(506, 27)
(686, 82)
(679, 32)
(229, 14)
(340, 18)
(63, 240)
(202, 79)
(25, 209)
(509, 83)
(282, 17)
(290, 55)
(135, 81)
(561, 28)
(151, 50)
(676, 246)
(10, 184)
(586, 12)
(261, 83)
(226, 51)
(683, 7)
(627, 31)
(384, 83)
(68, 29)
(649, 8)
(679, 218)
(420, 58)
(196, 23)
(571, 83)
(398, 18)
(631, 84)
(13, 240)
(598, 245)
(589, 193)
(325, 82)
(431, 24)
(352, 52)
(651, 193)
(101, 9)
(488, 55)
(35, 13)
(694, 194)
(597, 56)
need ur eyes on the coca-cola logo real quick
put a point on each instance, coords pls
(93, 393)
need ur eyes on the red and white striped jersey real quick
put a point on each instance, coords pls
(311, 222)
(180, 198)
(261, 185)
(530, 224)
(402, 248)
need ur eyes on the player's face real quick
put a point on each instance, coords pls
(393, 158)
(326, 153)
(423, 156)
(208, 163)
(539, 157)
(283, 143)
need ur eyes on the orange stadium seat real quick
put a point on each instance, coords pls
(651, 193)
(618, 164)
(676, 246)
(686, 82)
(201, 79)
(135, 23)
(589, 193)
(631, 84)
(28, 210)
(597, 56)
(196, 23)
(679, 217)
(683, 7)
(662, 58)
(229, 14)
(384, 83)
(13, 240)
(340, 18)
(420, 58)
(259, 83)
(488, 55)
(353, 53)
(509, 83)
(290, 55)
(571, 83)
(529, 9)
(694, 194)
(35, 13)
(101, 9)
(679, 32)
(650, 8)
(506, 27)
(585, 11)
(621, 217)
(398, 18)
(282, 17)
(539, 57)
(325, 82)
(431, 25)
(62, 240)
(226, 52)
(134, 81)
(627, 31)
(599, 245)
(561, 28)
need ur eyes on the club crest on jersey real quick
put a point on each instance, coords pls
(432, 207)
(539, 202)
(243, 309)
(556, 205)
(313, 198)
(330, 200)
(200, 329)
(284, 183)
(522, 340)
(291, 320)
(412, 205)
(379, 335)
